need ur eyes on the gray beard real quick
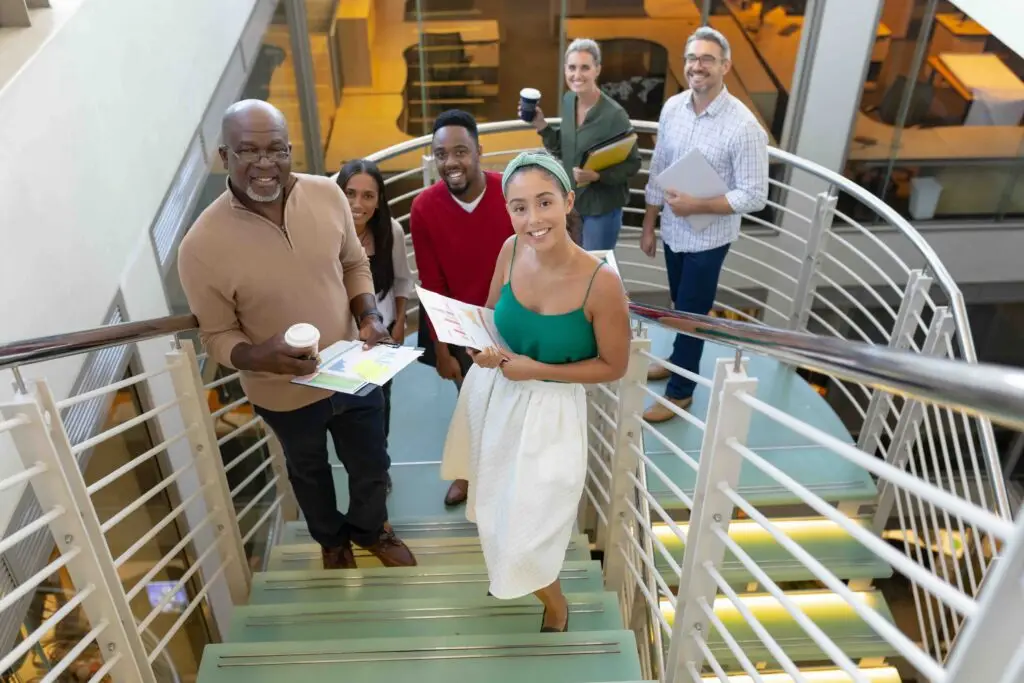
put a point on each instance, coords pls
(261, 198)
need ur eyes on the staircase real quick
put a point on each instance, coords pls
(436, 622)
(741, 542)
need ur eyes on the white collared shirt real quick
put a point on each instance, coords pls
(734, 144)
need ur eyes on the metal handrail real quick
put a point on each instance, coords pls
(935, 265)
(978, 389)
(39, 349)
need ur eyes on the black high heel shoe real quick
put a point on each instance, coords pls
(552, 629)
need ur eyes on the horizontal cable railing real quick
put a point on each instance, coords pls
(182, 492)
(808, 262)
(686, 598)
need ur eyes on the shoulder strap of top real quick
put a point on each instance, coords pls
(592, 278)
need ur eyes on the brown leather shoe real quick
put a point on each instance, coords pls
(391, 551)
(338, 558)
(659, 413)
(457, 493)
(656, 373)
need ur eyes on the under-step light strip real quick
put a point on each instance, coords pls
(738, 529)
(764, 605)
(886, 674)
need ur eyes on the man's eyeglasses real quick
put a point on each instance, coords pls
(253, 156)
(705, 60)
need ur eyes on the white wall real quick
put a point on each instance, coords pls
(1003, 18)
(93, 129)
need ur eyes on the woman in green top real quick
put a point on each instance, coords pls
(519, 432)
(589, 118)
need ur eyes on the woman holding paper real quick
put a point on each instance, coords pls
(595, 145)
(383, 240)
(519, 432)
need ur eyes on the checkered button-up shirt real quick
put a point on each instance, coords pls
(734, 144)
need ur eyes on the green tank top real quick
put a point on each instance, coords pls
(553, 339)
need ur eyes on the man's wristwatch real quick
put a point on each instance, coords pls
(374, 313)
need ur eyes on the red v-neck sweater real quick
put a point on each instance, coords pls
(456, 250)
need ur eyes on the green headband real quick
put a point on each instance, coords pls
(538, 159)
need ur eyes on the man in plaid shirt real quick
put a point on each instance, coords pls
(706, 117)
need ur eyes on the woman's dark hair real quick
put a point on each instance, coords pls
(379, 224)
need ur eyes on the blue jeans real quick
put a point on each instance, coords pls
(693, 282)
(602, 231)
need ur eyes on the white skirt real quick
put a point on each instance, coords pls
(523, 448)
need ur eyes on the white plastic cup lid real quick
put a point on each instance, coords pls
(530, 94)
(302, 336)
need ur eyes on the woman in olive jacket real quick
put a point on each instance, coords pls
(590, 117)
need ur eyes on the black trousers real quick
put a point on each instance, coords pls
(357, 425)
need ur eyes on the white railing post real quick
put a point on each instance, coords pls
(817, 240)
(625, 462)
(61, 486)
(429, 169)
(990, 647)
(202, 435)
(903, 331)
(587, 517)
(728, 418)
(908, 426)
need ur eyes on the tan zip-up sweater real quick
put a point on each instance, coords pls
(246, 279)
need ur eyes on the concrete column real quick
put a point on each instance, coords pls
(836, 46)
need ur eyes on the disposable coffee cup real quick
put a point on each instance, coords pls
(528, 99)
(303, 337)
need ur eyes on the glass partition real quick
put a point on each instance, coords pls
(939, 132)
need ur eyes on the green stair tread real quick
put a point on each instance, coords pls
(419, 527)
(827, 474)
(442, 527)
(418, 490)
(380, 583)
(841, 554)
(439, 616)
(840, 623)
(592, 657)
(428, 551)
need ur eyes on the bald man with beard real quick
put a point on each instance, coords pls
(275, 249)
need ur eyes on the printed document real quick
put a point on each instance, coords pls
(693, 175)
(460, 323)
(346, 367)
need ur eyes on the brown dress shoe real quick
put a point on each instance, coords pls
(338, 558)
(391, 551)
(457, 493)
(659, 413)
(656, 373)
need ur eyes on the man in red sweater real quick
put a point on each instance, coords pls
(458, 228)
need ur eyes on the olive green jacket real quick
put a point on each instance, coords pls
(605, 120)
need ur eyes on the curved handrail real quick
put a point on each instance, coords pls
(938, 270)
(978, 389)
(39, 349)
(935, 265)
